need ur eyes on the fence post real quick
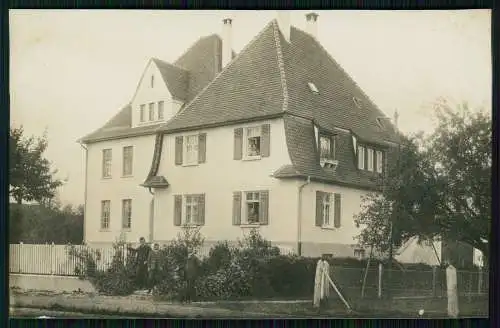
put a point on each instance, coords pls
(53, 259)
(380, 269)
(19, 258)
(434, 279)
(480, 280)
(471, 279)
(451, 284)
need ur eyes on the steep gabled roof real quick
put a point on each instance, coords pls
(248, 88)
(176, 79)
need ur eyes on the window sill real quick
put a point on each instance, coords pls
(250, 225)
(104, 230)
(126, 229)
(106, 178)
(191, 164)
(127, 176)
(252, 158)
(328, 227)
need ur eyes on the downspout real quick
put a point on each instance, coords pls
(151, 216)
(85, 192)
(299, 216)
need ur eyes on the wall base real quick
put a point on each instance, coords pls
(49, 283)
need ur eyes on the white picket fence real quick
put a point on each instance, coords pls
(50, 259)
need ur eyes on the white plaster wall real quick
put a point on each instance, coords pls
(146, 94)
(350, 206)
(117, 188)
(219, 177)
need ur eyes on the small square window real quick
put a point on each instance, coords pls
(312, 87)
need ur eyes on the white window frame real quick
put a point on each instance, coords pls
(245, 202)
(105, 214)
(161, 105)
(127, 214)
(329, 153)
(128, 161)
(107, 163)
(361, 157)
(186, 151)
(190, 201)
(142, 113)
(246, 136)
(151, 111)
(370, 159)
(327, 219)
(380, 162)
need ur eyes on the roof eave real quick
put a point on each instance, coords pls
(331, 181)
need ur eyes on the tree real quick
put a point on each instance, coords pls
(439, 188)
(30, 174)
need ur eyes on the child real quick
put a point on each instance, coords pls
(154, 266)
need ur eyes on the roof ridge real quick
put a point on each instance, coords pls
(281, 63)
(168, 63)
(202, 91)
(330, 57)
(194, 43)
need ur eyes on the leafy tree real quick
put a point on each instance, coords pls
(438, 188)
(30, 174)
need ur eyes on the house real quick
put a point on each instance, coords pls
(277, 137)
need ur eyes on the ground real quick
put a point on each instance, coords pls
(34, 304)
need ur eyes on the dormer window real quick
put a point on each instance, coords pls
(370, 159)
(357, 102)
(326, 149)
(312, 87)
(380, 122)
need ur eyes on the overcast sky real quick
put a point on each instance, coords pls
(71, 70)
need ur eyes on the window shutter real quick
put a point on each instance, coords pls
(202, 148)
(264, 207)
(337, 211)
(332, 147)
(319, 208)
(265, 147)
(237, 208)
(238, 143)
(177, 210)
(178, 150)
(366, 158)
(201, 209)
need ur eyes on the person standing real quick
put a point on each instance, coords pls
(142, 254)
(153, 266)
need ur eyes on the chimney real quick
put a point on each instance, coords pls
(284, 23)
(311, 24)
(227, 46)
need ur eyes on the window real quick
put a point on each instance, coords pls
(126, 213)
(191, 150)
(312, 87)
(151, 111)
(327, 209)
(105, 214)
(252, 139)
(380, 161)
(326, 147)
(152, 81)
(128, 158)
(359, 253)
(106, 163)
(161, 110)
(252, 208)
(361, 157)
(142, 113)
(357, 102)
(191, 210)
(370, 159)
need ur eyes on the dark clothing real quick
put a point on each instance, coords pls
(141, 262)
(153, 267)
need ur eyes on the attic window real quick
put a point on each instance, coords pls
(357, 102)
(152, 81)
(380, 122)
(312, 87)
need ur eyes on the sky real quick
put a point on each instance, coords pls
(72, 70)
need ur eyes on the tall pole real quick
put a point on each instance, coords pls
(393, 214)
